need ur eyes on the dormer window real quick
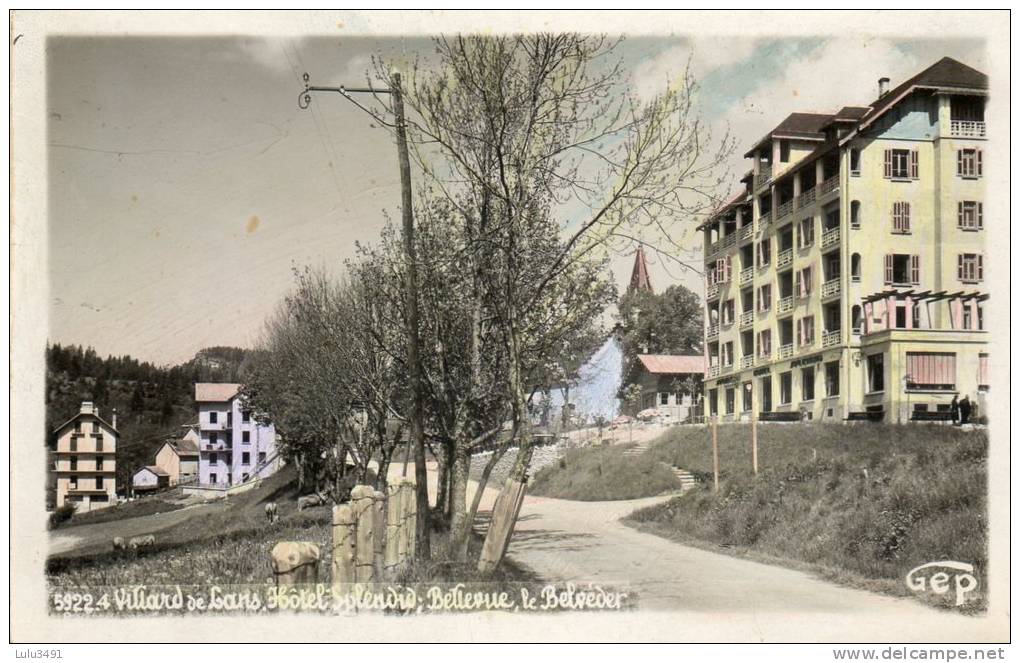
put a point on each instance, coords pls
(784, 151)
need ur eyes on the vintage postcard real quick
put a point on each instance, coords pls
(341, 326)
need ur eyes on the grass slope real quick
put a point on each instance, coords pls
(864, 501)
(603, 473)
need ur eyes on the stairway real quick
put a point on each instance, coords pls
(687, 480)
(636, 450)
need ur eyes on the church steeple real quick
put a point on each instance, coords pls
(639, 277)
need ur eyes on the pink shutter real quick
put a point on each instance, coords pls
(980, 215)
(915, 269)
(913, 164)
(956, 313)
(888, 164)
(979, 167)
(982, 369)
(888, 268)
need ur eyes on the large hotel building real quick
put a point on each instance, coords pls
(846, 279)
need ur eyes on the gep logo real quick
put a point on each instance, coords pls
(963, 581)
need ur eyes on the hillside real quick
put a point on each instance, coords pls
(152, 402)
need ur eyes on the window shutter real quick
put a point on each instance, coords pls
(978, 159)
(915, 269)
(888, 268)
(797, 284)
(959, 266)
(807, 281)
(959, 215)
(980, 267)
(729, 268)
(888, 164)
(800, 332)
(913, 164)
(980, 215)
(959, 162)
(905, 214)
(720, 271)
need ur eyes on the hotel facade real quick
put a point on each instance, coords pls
(845, 281)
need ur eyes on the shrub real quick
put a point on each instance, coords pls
(61, 515)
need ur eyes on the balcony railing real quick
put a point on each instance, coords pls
(830, 237)
(712, 291)
(830, 338)
(785, 304)
(831, 288)
(784, 258)
(747, 361)
(711, 248)
(728, 241)
(712, 330)
(746, 275)
(746, 319)
(967, 129)
(786, 351)
(784, 210)
(746, 232)
(806, 198)
(713, 371)
(765, 219)
(764, 173)
(828, 186)
(764, 357)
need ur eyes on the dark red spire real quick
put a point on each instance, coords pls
(639, 277)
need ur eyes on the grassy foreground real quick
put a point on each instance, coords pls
(860, 504)
(603, 473)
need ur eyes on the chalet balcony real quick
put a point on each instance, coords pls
(747, 361)
(746, 319)
(711, 291)
(765, 219)
(830, 338)
(218, 426)
(828, 186)
(806, 198)
(785, 304)
(831, 288)
(746, 275)
(784, 210)
(786, 351)
(966, 129)
(713, 371)
(728, 241)
(712, 331)
(219, 445)
(764, 174)
(830, 237)
(745, 233)
(784, 259)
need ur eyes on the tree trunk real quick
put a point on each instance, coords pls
(460, 526)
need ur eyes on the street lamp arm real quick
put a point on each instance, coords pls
(305, 97)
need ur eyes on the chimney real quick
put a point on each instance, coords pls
(113, 419)
(883, 86)
(87, 408)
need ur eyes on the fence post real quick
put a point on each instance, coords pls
(715, 454)
(411, 521)
(344, 541)
(754, 440)
(364, 512)
(394, 518)
(379, 541)
(505, 513)
(295, 563)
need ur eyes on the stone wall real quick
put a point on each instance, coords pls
(541, 457)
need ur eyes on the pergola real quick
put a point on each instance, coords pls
(890, 296)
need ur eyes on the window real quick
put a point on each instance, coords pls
(806, 330)
(855, 162)
(807, 384)
(785, 388)
(246, 436)
(727, 353)
(806, 232)
(766, 393)
(931, 371)
(901, 164)
(855, 318)
(764, 252)
(765, 343)
(983, 371)
(901, 217)
(902, 269)
(747, 397)
(855, 267)
(967, 318)
(876, 372)
(213, 416)
(969, 163)
(74, 444)
(855, 214)
(212, 477)
(969, 215)
(245, 458)
(832, 378)
(262, 457)
(713, 401)
(970, 267)
(99, 463)
(95, 426)
(804, 283)
(245, 416)
(765, 297)
(980, 316)
(99, 443)
(664, 398)
(722, 269)
(731, 400)
(213, 459)
(726, 314)
(99, 482)
(784, 151)
(77, 426)
(74, 463)
(72, 483)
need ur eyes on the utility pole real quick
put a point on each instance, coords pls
(417, 433)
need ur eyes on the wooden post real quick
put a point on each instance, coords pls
(394, 519)
(381, 526)
(715, 454)
(295, 563)
(411, 518)
(505, 513)
(344, 544)
(754, 441)
(364, 512)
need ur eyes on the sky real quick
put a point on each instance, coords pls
(185, 184)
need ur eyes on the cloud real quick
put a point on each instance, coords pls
(705, 57)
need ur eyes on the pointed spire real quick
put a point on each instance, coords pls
(639, 277)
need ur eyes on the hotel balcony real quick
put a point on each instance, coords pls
(727, 241)
(713, 371)
(711, 291)
(806, 198)
(764, 174)
(830, 237)
(784, 210)
(219, 445)
(786, 351)
(785, 304)
(747, 361)
(218, 426)
(828, 186)
(784, 259)
(746, 232)
(764, 220)
(764, 357)
(830, 338)
(712, 331)
(966, 129)
(746, 319)
(746, 275)
(830, 288)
